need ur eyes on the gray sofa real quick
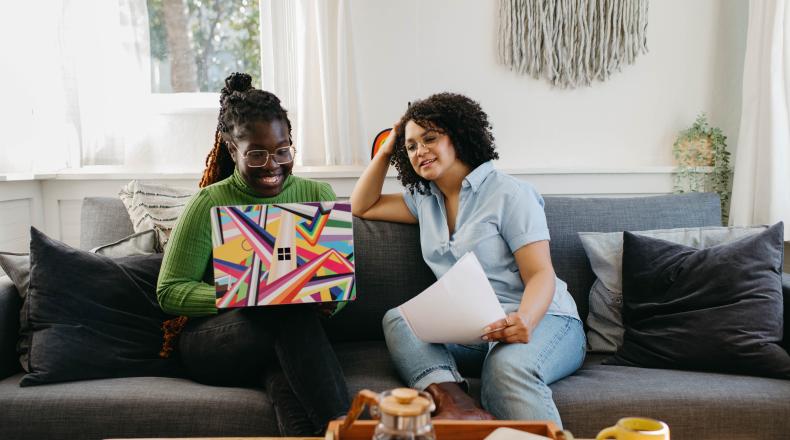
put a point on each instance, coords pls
(390, 270)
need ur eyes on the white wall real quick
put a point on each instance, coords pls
(408, 49)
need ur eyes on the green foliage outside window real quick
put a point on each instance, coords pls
(209, 38)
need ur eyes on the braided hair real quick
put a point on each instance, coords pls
(459, 117)
(240, 106)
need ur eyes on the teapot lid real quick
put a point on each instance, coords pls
(404, 402)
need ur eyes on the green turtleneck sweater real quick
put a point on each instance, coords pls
(186, 280)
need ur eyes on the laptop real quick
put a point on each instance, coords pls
(284, 253)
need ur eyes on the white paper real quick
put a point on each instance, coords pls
(456, 308)
(513, 434)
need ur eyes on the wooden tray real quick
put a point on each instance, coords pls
(449, 429)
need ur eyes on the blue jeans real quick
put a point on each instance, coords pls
(515, 378)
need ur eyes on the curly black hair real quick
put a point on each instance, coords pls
(240, 105)
(458, 116)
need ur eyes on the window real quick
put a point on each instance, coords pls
(195, 44)
(132, 85)
(284, 254)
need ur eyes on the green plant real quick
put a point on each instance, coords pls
(703, 162)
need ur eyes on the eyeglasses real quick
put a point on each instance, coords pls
(259, 158)
(429, 139)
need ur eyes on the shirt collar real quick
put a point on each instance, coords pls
(478, 175)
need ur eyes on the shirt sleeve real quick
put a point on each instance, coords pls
(524, 220)
(411, 202)
(180, 288)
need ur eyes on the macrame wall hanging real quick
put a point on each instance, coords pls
(571, 42)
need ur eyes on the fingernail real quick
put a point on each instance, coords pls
(487, 329)
(485, 338)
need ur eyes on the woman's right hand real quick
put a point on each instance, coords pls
(388, 147)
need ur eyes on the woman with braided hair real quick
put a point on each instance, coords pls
(284, 347)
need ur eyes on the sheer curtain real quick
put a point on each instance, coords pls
(36, 136)
(106, 76)
(309, 63)
(761, 187)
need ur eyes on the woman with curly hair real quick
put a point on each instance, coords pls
(443, 150)
(284, 346)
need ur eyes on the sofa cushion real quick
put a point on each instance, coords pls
(367, 365)
(154, 206)
(17, 267)
(103, 220)
(715, 309)
(566, 216)
(92, 316)
(696, 405)
(605, 252)
(142, 407)
(139, 243)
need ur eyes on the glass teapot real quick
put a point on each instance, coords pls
(403, 413)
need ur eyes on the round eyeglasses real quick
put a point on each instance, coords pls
(259, 158)
(429, 139)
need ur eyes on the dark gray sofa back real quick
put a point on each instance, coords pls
(103, 220)
(390, 269)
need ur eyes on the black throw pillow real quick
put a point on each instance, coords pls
(15, 333)
(715, 309)
(92, 316)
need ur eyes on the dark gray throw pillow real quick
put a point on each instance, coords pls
(10, 303)
(17, 267)
(92, 316)
(716, 309)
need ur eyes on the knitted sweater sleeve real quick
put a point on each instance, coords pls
(325, 192)
(180, 288)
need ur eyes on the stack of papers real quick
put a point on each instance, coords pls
(456, 308)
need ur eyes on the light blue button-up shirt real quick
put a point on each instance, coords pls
(497, 215)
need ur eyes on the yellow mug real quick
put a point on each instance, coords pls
(636, 428)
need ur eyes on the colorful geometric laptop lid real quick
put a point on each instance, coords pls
(285, 253)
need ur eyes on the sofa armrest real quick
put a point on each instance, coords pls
(786, 297)
(10, 303)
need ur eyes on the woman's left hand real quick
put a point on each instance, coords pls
(515, 328)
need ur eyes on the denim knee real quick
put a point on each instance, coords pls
(391, 319)
(515, 390)
(505, 374)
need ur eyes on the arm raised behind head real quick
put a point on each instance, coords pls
(367, 201)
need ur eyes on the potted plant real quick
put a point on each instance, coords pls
(703, 162)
